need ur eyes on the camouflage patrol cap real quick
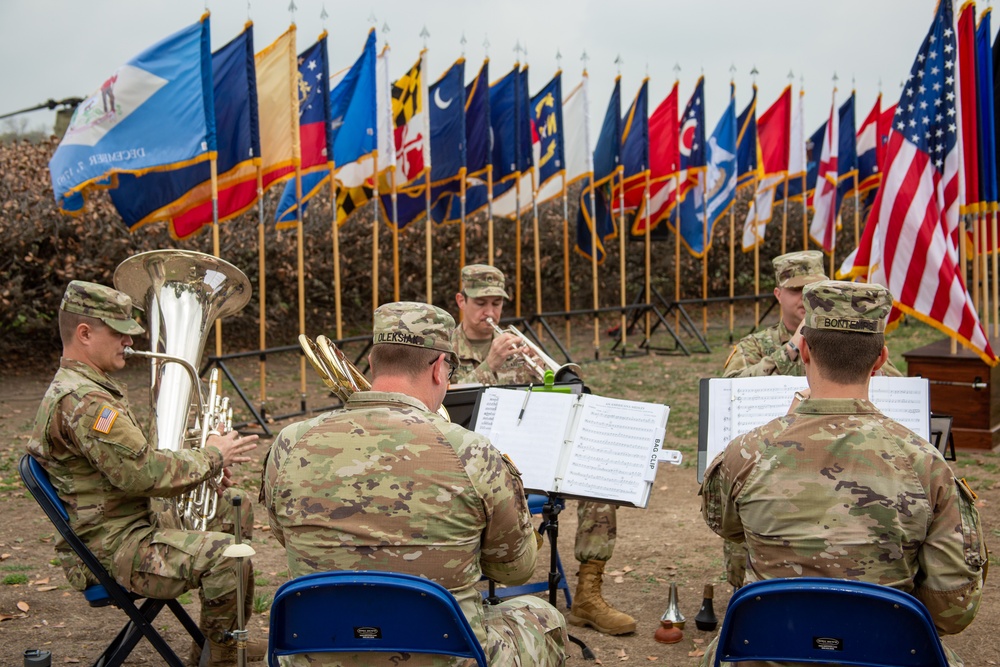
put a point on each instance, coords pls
(482, 280)
(112, 307)
(416, 324)
(842, 306)
(797, 269)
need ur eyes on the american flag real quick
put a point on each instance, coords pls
(106, 419)
(911, 240)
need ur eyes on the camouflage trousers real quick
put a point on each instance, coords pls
(596, 530)
(168, 561)
(520, 632)
(735, 557)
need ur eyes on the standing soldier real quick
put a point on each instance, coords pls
(490, 358)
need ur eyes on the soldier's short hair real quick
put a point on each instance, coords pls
(841, 356)
(68, 322)
(391, 360)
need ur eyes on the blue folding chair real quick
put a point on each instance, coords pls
(107, 591)
(349, 611)
(824, 621)
(549, 528)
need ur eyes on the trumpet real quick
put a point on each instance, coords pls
(544, 362)
(337, 372)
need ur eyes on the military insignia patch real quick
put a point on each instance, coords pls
(106, 420)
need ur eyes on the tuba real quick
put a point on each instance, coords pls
(337, 372)
(183, 293)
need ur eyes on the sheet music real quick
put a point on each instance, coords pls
(615, 448)
(535, 443)
(907, 400)
(758, 402)
(739, 405)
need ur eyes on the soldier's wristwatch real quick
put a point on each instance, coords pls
(794, 350)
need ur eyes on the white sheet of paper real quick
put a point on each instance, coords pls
(616, 449)
(532, 445)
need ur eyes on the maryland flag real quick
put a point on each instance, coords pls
(350, 200)
(411, 123)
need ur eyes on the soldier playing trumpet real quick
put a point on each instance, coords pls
(492, 358)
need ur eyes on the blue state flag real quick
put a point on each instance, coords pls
(503, 121)
(847, 152)
(635, 138)
(525, 138)
(155, 112)
(478, 151)
(447, 116)
(594, 225)
(167, 195)
(352, 129)
(746, 141)
(546, 113)
(719, 185)
(987, 129)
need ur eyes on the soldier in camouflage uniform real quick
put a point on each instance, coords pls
(836, 489)
(388, 484)
(105, 472)
(493, 359)
(775, 351)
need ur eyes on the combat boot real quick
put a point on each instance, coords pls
(224, 655)
(591, 609)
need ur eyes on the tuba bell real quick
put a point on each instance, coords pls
(337, 372)
(183, 293)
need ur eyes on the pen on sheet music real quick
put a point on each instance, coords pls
(527, 395)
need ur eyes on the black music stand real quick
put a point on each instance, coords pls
(550, 526)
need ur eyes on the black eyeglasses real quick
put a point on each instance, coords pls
(452, 367)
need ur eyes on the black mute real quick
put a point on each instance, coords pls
(706, 620)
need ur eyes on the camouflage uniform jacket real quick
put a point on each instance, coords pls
(90, 443)
(764, 353)
(836, 489)
(472, 368)
(384, 484)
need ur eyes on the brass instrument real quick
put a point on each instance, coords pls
(183, 293)
(337, 372)
(547, 362)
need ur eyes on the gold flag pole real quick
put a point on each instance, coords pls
(262, 282)
(335, 236)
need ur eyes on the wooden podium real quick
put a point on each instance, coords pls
(964, 386)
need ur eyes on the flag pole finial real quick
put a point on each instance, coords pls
(486, 45)
(248, 10)
(558, 59)
(880, 85)
(292, 9)
(372, 19)
(618, 62)
(835, 80)
(677, 71)
(425, 33)
(791, 77)
(463, 42)
(753, 74)
(584, 58)
(385, 32)
(732, 72)
(517, 51)
(323, 16)
(852, 83)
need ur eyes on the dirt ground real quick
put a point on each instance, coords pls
(666, 542)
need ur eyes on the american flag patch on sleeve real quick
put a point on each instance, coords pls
(106, 420)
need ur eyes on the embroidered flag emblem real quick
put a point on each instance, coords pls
(106, 420)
